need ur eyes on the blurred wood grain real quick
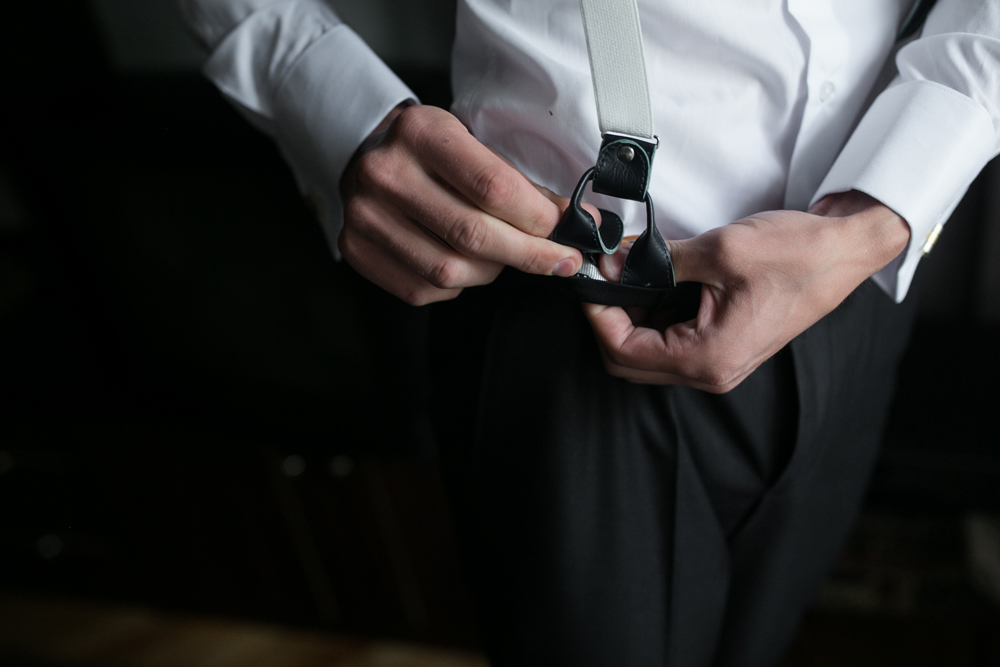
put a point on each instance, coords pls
(47, 631)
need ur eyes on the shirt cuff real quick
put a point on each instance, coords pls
(916, 150)
(320, 95)
(329, 103)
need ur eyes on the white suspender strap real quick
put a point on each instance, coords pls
(614, 42)
(623, 168)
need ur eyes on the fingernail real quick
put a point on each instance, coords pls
(565, 268)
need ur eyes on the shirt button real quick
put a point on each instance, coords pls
(826, 91)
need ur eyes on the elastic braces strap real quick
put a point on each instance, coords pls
(614, 43)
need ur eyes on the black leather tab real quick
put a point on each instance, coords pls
(648, 263)
(579, 230)
(624, 165)
(648, 279)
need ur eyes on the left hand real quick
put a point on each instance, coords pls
(766, 279)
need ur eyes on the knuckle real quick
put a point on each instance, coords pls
(355, 209)
(446, 274)
(359, 214)
(420, 296)
(492, 188)
(346, 243)
(425, 294)
(718, 379)
(469, 236)
(411, 124)
(375, 169)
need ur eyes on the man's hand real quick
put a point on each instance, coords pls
(767, 278)
(428, 210)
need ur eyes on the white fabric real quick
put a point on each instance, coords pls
(752, 102)
(617, 65)
(942, 159)
(301, 75)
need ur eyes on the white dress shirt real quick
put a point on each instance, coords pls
(752, 101)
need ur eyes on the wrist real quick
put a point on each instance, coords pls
(870, 233)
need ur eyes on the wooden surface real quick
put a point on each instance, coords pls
(68, 633)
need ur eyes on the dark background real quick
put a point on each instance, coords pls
(201, 411)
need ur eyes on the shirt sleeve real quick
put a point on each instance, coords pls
(925, 138)
(298, 73)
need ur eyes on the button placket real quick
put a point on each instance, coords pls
(825, 55)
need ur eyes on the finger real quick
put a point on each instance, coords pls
(675, 351)
(684, 260)
(612, 265)
(563, 203)
(635, 375)
(703, 353)
(475, 233)
(419, 250)
(639, 376)
(485, 179)
(558, 200)
(381, 268)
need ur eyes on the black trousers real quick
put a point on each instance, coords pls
(608, 523)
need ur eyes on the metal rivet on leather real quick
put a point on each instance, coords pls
(626, 153)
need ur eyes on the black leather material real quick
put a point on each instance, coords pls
(579, 230)
(620, 178)
(648, 263)
(683, 299)
(648, 273)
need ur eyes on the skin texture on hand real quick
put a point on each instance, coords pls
(429, 210)
(767, 278)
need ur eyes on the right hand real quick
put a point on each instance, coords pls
(429, 210)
